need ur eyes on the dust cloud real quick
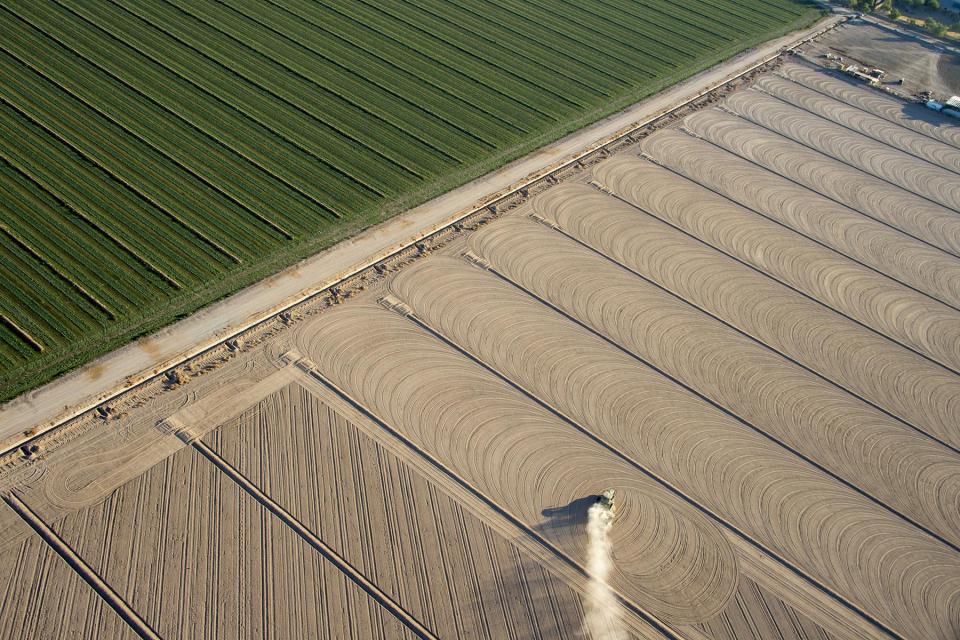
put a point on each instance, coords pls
(601, 619)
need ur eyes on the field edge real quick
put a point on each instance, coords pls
(27, 378)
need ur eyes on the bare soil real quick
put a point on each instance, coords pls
(746, 321)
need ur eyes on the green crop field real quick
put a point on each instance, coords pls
(160, 154)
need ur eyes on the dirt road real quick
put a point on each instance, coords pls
(90, 385)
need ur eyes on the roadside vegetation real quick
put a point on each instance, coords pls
(158, 156)
(927, 15)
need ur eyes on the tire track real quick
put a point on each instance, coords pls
(932, 223)
(909, 116)
(745, 545)
(469, 491)
(869, 299)
(843, 435)
(893, 379)
(338, 561)
(497, 522)
(857, 121)
(522, 458)
(634, 410)
(880, 160)
(874, 244)
(91, 577)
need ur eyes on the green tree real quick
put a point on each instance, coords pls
(894, 13)
(936, 27)
(934, 4)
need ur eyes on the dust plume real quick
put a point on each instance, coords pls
(601, 619)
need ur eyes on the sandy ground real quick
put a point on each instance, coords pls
(90, 385)
(748, 323)
(923, 63)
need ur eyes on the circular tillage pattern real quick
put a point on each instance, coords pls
(908, 212)
(875, 127)
(762, 489)
(860, 444)
(878, 159)
(524, 459)
(880, 303)
(911, 116)
(872, 243)
(889, 376)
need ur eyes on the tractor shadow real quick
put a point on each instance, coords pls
(571, 515)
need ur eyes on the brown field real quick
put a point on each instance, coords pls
(924, 64)
(747, 323)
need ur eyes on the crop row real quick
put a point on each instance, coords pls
(298, 57)
(149, 151)
(487, 22)
(544, 41)
(47, 308)
(685, 21)
(756, 14)
(503, 67)
(627, 36)
(568, 63)
(457, 35)
(651, 21)
(178, 195)
(378, 83)
(486, 110)
(639, 55)
(486, 45)
(59, 171)
(260, 192)
(542, 105)
(39, 258)
(226, 104)
(75, 247)
(193, 248)
(598, 52)
(233, 70)
(339, 189)
(16, 345)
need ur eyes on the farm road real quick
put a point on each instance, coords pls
(90, 385)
